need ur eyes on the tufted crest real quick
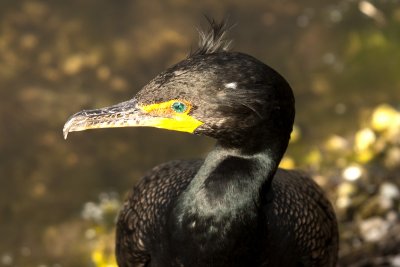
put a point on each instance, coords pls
(213, 40)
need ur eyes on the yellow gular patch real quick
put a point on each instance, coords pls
(165, 117)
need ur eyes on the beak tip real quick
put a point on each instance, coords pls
(65, 134)
(66, 130)
(68, 126)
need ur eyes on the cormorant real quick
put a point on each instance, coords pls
(235, 207)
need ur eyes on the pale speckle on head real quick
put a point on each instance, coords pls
(231, 85)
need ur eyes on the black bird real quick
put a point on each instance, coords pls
(235, 207)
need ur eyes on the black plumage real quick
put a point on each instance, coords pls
(235, 207)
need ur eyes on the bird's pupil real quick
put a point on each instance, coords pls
(179, 107)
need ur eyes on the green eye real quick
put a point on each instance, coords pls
(179, 107)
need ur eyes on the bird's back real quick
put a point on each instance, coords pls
(142, 218)
(299, 225)
(301, 220)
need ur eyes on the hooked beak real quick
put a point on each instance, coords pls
(125, 114)
(130, 114)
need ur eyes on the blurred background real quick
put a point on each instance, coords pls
(59, 199)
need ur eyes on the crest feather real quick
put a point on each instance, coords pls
(213, 40)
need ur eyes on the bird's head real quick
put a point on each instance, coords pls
(229, 96)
